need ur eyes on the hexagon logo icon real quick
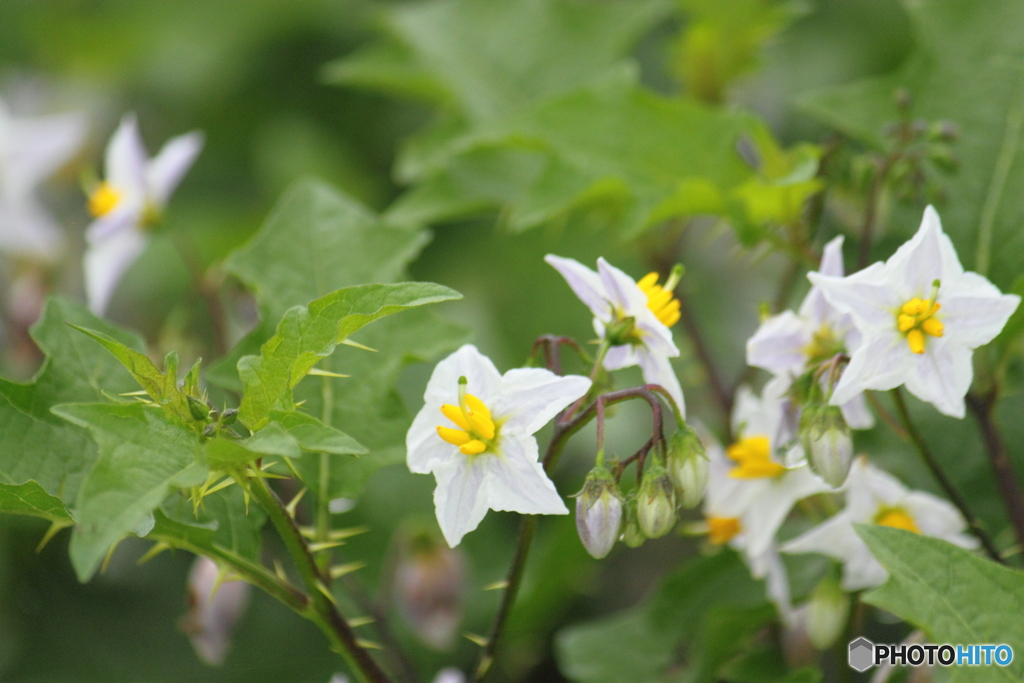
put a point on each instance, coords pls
(862, 654)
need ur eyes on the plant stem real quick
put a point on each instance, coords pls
(321, 609)
(940, 476)
(323, 511)
(1002, 468)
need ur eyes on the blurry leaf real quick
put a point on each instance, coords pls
(308, 334)
(34, 443)
(951, 594)
(30, 499)
(313, 435)
(234, 526)
(725, 632)
(967, 69)
(142, 456)
(1008, 339)
(623, 647)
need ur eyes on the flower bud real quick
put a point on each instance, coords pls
(656, 503)
(429, 586)
(200, 411)
(599, 512)
(215, 608)
(621, 331)
(826, 613)
(229, 417)
(827, 443)
(632, 536)
(688, 466)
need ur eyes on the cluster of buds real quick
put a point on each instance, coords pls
(599, 512)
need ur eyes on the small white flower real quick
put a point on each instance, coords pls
(874, 496)
(788, 344)
(132, 197)
(450, 675)
(31, 150)
(216, 606)
(612, 296)
(906, 339)
(474, 434)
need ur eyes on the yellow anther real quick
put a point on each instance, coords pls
(477, 406)
(482, 425)
(454, 413)
(103, 199)
(721, 530)
(456, 437)
(896, 518)
(933, 327)
(647, 281)
(915, 320)
(753, 458)
(915, 340)
(914, 306)
(474, 447)
(660, 300)
(905, 322)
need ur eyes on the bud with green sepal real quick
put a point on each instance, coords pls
(632, 535)
(827, 612)
(827, 442)
(198, 408)
(599, 512)
(656, 502)
(621, 331)
(687, 465)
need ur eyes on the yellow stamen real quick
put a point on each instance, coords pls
(482, 425)
(477, 428)
(477, 406)
(753, 458)
(454, 414)
(905, 322)
(933, 327)
(647, 281)
(896, 518)
(660, 300)
(915, 340)
(103, 199)
(721, 530)
(456, 437)
(474, 447)
(915, 320)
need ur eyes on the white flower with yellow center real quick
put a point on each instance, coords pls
(475, 435)
(130, 200)
(920, 316)
(789, 344)
(874, 496)
(615, 298)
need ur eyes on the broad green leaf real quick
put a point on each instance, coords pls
(965, 68)
(953, 595)
(623, 647)
(313, 435)
(142, 456)
(235, 526)
(34, 443)
(30, 499)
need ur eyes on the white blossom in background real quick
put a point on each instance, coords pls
(215, 608)
(450, 675)
(475, 435)
(920, 317)
(612, 296)
(874, 496)
(789, 343)
(31, 150)
(130, 200)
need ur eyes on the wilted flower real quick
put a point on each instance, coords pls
(429, 589)
(687, 465)
(656, 502)
(599, 512)
(827, 442)
(905, 338)
(483, 453)
(215, 607)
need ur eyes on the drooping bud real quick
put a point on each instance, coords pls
(215, 608)
(599, 512)
(826, 613)
(429, 586)
(827, 443)
(688, 466)
(621, 331)
(200, 411)
(632, 536)
(656, 502)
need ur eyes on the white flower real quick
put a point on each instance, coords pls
(132, 197)
(789, 344)
(612, 296)
(216, 607)
(31, 150)
(475, 436)
(905, 338)
(874, 496)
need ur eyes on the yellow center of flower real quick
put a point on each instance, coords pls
(721, 530)
(103, 199)
(752, 455)
(916, 318)
(897, 518)
(824, 345)
(660, 301)
(476, 428)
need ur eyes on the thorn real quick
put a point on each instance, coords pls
(291, 468)
(106, 560)
(224, 483)
(485, 664)
(318, 547)
(474, 638)
(279, 570)
(326, 373)
(140, 392)
(497, 585)
(294, 502)
(360, 621)
(340, 534)
(368, 644)
(326, 591)
(349, 342)
(343, 569)
(300, 403)
(157, 548)
(50, 533)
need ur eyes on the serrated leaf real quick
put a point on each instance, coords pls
(143, 455)
(623, 647)
(308, 334)
(313, 435)
(34, 443)
(951, 594)
(30, 499)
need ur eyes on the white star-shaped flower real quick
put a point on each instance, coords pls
(31, 150)
(874, 496)
(132, 198)
(475, 435)
(920, 316)
(613, 296)
(789, 344)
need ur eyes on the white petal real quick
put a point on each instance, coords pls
(32, 149)
(618, 357)
(106, 261)
(927, 256)
(869, 295)
(460, 498)
(657, 369)
(936, 517)
(880, 363)
(868, 488)
(814, 306)
(777, 584)
(27, 230)
(531, 397)
(126, 159)
(585, 283)
(621, 289)
(779, 343)
(857, 414)
(942, 375)
(425, 450)
(484, 380)
(975, 312)
(516, 482)
(774, 502)
(167, 169)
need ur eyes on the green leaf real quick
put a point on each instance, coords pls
(235, 526)
(308, 334)
(313, 435)
(142, 456)
(951, 594)
(623, 647)
(34, 443)
(30, 499)
(965, 68)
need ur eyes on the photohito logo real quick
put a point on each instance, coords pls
(864, 654)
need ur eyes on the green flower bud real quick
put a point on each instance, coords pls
(599, 512)
(199, 410)
(632, 536)
(826, 613)
(827, 443)
(688, 466)
(229, 417)
(621, 331)
(656, 502)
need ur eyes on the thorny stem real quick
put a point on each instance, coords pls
(321, 609)
(382, 624)
(940, 476)
(323, 510)
(1002, 468)
(552, 345)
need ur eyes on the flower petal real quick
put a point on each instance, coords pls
(942, 375)
(814, 306)
(927, 256)
(106, 261)
(622, 290)
(484, 380)
(976, 311)
(125, 162)
(868, 295)
(773, 502)
(516, 481)
(779, 343)
(857, 414)
(530, 397)
(460, 499)
(167, 169)
(618, 357)
(425, 450)
(938, 518)
(586, 284)
(657, 369)
(26, 229)
(879, 363)
(34, 148)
